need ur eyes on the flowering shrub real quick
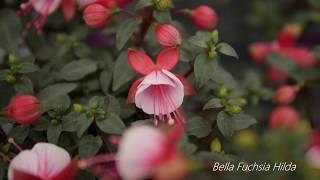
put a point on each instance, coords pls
(146, 89)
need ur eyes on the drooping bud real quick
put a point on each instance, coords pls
(285, 95)
(168, 35)
(97, 16)
(284, 117)
(204, 17)
(24, 109)
(259, 52)
(163, 4)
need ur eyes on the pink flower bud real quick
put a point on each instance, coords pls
(276, 75)
(204, 17)
(259, 51)
(284, 117)
(168, 35)
(285, 95)
(96, 15)
(24, 109)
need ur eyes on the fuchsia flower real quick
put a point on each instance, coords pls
(96, 15)
(24, 109)
(204, 17)
(286, 46)
(168, 35)
(44, 161)
(159, 92)
(44, 8)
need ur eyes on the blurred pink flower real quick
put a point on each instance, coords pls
(159, 92)
(43, 161)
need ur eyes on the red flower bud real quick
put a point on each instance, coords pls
(24, 109)
(204, 17)
(259, 51)
(96, 15)
(284, 117)
(288, 35)
(168, 35)
(302, 56)
(285, 95)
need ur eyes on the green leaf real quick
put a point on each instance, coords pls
(113, 104)
(69, 121)
(19, 133)
(61, 103)
(203, 69)
(3, 169)
(50, 93)
(77, 70)
(125, 31)
(243, 121)
(187, 147)
(143, 3)
(122, 72)
(225, 125)
(53, 133)
(162, 16)
(222, 76)
(3, 74)
(200, 39)
(212, 104)
(24, 85)
(27, 67)
(198, 127)
(83, 123)
(42, 124)
(228, 50)
(10, 30)
(89, 146)
(105, 81)
(282, 62)
(112, 124)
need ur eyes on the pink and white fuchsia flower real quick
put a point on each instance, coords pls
(44, 161)
(44, 8)
(159, 92)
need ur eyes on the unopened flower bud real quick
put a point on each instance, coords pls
(212, 54)
(223, 92)
(97, 16)
(285, 95)
(168, 35)
(78, 108)
(243, 102)
(12, 59)
(235, 109)
(215, 145)
(204, 17)
(284, 117)
(24, 109)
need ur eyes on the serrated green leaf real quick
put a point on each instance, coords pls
(198, 127)
(125, 31)
(213, 103)
(112, 124)
(228, 50)
(203, 69)
(122, 72)
(89, 146)
(77, 70)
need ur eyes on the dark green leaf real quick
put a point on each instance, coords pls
(113, 104)
(143, 3)
(89, 146)
(50, 93)
(203, 69)
(10, 29)
(187, 147)
(112, 124)
(213, 103)
(53, 133)
(225, 125)
(83, 123)
(27, 67)
(243, 121)
(42, 124)
(77, 70)
(162, 16)
(228, 50)
(24, 85)
(69, 121)
(105, 81)
(200, 39)
(125, 31)
(122, 72)
(198, 127)
(19, 133)
(282, 62)
(61, 103)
